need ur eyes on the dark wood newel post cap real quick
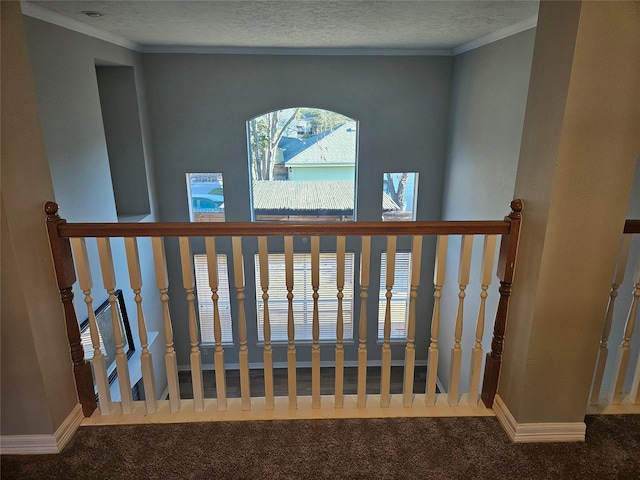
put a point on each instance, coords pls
(51, 208)
(516, 205)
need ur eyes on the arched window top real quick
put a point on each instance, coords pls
(303, 165)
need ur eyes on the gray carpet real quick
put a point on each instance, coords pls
(423, 448)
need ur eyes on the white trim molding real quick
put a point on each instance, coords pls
(521, 26)
(43, 443)
(537, 432)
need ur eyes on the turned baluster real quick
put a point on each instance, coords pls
(85, 282)
(291, 347)
(188, 282)
(339, 385)
(410, 349)
(135, 279)
(171, 363)
(218, 356)
(438, 282)
(266, 330)
(624, 350)
(122, 364)
(365, 257)
(488, 254)
(456, 351)
(385, 383)
(603, 351)
(243, 354)
(315, 349)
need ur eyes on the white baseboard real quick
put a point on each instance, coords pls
(537, 432)
(43, 444)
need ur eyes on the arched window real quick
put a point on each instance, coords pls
(302, 163)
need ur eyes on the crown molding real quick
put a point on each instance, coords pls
(521, 26)
(295, 51)
(45, 15)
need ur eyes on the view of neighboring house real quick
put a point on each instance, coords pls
(329, 155)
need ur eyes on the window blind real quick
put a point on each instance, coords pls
(303, 297)
(399, 292)
(205, 303)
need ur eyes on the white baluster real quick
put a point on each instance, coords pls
(218, 356)
(624, 351)
(85, 282)
(291, 348)
(122, 365)
(410, 349)
(188, 282)
(456, 350)
(438, 282)
(385, 373)
(268, 351)
(339, 389)
(603, 351)
(486, 274)
(365, 257)
(146, 362)
(315, 350)
(243, 354)
(171, 363)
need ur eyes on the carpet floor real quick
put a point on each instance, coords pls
(401, 448)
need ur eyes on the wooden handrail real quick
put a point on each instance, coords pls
(254, 229)
(632, 226)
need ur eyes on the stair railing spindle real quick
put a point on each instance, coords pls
(122, 365)
(146, 362)
(438, 282)
(365, 261)
(263, 253)
(218, 356)
(188, 282)
(410, 348)
(486, 274)
(85, 282)
(171, 363)
(339, 364)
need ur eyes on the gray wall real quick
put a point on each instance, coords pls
(64, 68)
(488, 102)
(121, 119)
(199, 105)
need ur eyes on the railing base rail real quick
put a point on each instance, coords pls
(281, 410)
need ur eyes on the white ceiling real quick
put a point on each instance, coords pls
(419, 26)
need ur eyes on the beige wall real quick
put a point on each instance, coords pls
(578, 155)
(38, 390)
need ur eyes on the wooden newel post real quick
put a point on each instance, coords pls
(66, 276)
(506, 265)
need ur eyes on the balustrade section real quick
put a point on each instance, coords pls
(249, 246)
(616, 379)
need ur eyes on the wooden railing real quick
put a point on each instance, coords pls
(605, 395)
(69, 246)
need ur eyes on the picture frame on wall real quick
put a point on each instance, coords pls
(104, 322)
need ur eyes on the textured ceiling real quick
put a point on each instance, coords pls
(350, 24)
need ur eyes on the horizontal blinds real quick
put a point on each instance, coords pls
(399, 298)
(205, 303)
(303, 297)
